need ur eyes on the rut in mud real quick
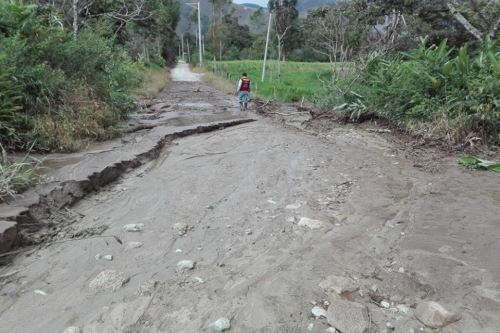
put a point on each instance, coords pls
(275, 222)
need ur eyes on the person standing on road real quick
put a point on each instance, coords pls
(243, 91)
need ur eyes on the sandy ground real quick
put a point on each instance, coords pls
(397, 232)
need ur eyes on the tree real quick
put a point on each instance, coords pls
(285, 15)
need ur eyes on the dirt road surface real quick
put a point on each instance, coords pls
(275, 222)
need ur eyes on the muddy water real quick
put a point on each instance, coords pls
(390, 227)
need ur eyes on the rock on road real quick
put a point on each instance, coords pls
(389, 232)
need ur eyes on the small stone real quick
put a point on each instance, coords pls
(348, 316)
(385, 304)
(98, 256)
(310, 223)
(401, 270)
(271, 201)
(134, 245)
(147, 288)
(318, 312)
(181, 228)
(135, 227)
(108, 280)
(198, 279)
(108, 257)
(403, 309)
(338, 284)
(71, 329)
(40, 292)
(220, 325)
(389, 326)
(291, 219)
(248, 232)
(434, 315)
(310, 327)
(185, 265)
(331, 330)
(293, 206)
(178, 251)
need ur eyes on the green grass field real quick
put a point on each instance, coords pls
(298, 80)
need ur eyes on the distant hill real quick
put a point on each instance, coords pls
(242, 12)
(305, 5)
(251, 5)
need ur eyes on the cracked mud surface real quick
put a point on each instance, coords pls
(399, 233)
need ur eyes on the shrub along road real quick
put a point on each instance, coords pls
(265, 226)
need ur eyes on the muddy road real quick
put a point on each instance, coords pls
(260, 223)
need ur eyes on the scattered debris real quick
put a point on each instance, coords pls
(136, 227)
(108, 280)
(338, 284)
(186, 265)
(40, 292)
(348, 316)
(310, 223)
(318, 312)
(434, 315)
(220, 325)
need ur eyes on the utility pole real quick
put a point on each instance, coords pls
(196, 5)
(267, 45)
(182, 41)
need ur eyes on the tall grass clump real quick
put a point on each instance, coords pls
(16, 177)
(437, 90)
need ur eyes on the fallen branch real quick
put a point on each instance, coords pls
(285, 114)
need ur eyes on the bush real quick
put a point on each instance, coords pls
(435, 90)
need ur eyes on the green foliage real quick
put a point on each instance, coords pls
(298, 80)
(435, 89)
(41, 68)
(477, 163)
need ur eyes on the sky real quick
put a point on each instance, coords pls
(263, 3)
